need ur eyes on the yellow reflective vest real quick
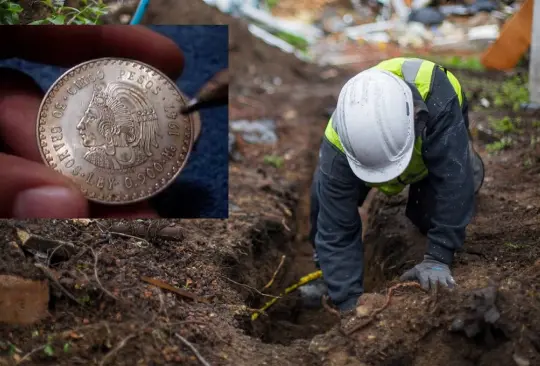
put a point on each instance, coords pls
(419, 73)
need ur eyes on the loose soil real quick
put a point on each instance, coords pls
(125, 321)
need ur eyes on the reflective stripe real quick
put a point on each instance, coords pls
(457, 86)
(410, 70)
(332, 136)
(419, 73)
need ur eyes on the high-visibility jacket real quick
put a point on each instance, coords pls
(420, 74)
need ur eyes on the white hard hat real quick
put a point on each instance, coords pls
(374, 120)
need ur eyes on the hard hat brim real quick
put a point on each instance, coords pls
(393, 170)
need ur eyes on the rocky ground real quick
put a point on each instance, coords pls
(100, 303)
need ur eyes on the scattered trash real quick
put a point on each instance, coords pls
(52, 250)
(427, 16)
(409, 24)
(275, 41)
(256, 132)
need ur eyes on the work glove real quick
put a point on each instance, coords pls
(429, 273)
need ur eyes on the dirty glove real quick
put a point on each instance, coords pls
(429, 273)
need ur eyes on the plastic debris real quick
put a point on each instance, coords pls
(427, 16)
(256, 132)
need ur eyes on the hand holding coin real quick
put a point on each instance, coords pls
(30, 189)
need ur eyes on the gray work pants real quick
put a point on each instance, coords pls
(419, 207)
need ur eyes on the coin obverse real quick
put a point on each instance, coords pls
(114, 127)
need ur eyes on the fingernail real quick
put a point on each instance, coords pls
(48, 202)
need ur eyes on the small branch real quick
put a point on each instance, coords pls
(193, 349)
(51, 277)
(27, 356)
(115, 350)
(147, 243)
(275, 273)
(97, 277)
(251, 288)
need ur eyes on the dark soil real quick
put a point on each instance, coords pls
(227, 262)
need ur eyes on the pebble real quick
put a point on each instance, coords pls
(124, 18)
(520, 361)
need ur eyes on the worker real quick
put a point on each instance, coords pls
(401, 123)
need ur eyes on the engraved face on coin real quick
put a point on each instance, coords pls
(114, 127)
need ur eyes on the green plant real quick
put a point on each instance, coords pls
(464, 63)
(503, 144)
(90, 13)
(271, 3)
(49, 349)
(512, 93)
(514, 246)
(9, 12)
(276, 161)
(504, 125)
(294, 40)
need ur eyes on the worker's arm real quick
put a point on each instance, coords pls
(338, 240)
(446, 155)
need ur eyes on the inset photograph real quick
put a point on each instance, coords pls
(114, 121)
(70, 12)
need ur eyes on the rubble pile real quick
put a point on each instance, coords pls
(331, 32)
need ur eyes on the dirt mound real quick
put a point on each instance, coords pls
(253, 61)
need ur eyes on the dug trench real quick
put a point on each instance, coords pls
(492, 317)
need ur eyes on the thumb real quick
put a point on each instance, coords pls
(33, 190)
(410, 275)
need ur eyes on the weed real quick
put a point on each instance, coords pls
(85, 299)
(514, 246)
(463, 63)
(9, 12)
(89, 12)
(504, 125)
(49, 349)
(512, 93)
(503, 144)
(275, 161)
(272, 3)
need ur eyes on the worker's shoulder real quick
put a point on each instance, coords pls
(442, 93)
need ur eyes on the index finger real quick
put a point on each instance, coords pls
(69, 45)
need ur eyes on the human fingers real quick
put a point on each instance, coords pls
(410, 275)
(69, 45)
(32, 190)
(424, 281)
